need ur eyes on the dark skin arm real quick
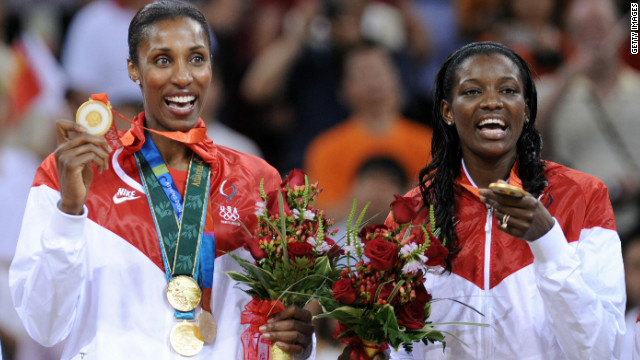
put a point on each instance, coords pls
(291, 330)
(528, 218)
(76, 151)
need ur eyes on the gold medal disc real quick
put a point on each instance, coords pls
(506, 189)
(183, 293)
(186, 339)
(96, 116)
(208, 327)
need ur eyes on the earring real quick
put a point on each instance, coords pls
(526, 120)
(449, 123)
(138, 82)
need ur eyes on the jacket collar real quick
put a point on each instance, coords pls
(203, 146)
(466, 182)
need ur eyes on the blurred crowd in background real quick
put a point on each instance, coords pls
(339, 88)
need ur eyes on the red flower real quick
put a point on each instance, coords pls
(382, 254)
(340, 328)
(273, 205)
(411, 315)
(385, 292)
(422, 296)
(295, 178)
(436, 253)
(300, 249)
(335, 249)
(344, 292)
(404, 209)
(253, 245)
(366, 232)
(418, 235)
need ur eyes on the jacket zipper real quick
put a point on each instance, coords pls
(487, 309)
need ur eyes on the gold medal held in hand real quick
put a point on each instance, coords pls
(96, 116)
(506, 189)
(186, 339)
(183, 293)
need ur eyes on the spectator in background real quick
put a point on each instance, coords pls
(532, 29)
(94, 54)
(31, 97)
(476, 16)
(219, 132)
(376, 180)
(371, 88)
(589, 108)
(296, 78)
(631, 259)
(439, 18)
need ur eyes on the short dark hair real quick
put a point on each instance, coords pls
(386, 164)
(158, 11)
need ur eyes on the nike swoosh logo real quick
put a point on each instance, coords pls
(119, 200)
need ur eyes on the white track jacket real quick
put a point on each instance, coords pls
(559, 297)
(97, 280)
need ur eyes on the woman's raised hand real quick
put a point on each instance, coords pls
(75, 152)
(524, 217)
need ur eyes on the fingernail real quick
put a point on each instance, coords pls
(262, 328)
(266, 336)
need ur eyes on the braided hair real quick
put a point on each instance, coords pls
(436, 180)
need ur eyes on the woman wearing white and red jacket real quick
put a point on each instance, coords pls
(90, 269)
(545, 269)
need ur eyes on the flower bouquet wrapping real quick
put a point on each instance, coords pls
(381, 300)
(294, 258)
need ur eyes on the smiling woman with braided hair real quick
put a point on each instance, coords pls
(539, 261)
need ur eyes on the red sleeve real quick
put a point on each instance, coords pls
(47, 173)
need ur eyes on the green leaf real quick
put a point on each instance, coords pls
(322, 266)
(283, 228)
(344, 314)
(254, 272)
(239, 277)
(395, 290)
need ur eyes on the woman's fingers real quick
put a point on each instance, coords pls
(76, 151)
(524, 217)
(291, 329)
(80, 151)
(67, 130)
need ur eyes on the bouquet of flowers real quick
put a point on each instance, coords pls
(294, 257)
(381, 301)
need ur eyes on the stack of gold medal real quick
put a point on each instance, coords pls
(187, 338)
